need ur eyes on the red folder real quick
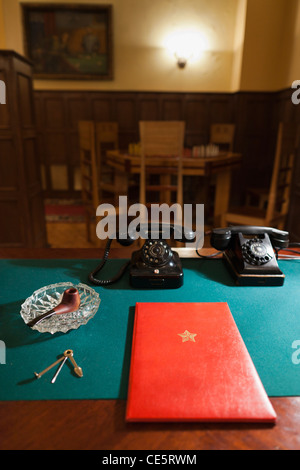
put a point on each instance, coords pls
(189, 363)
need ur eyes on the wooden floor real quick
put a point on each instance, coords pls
(73, 235)
(67, 229)
(67, 235)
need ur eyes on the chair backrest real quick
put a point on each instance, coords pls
(88, 163)
(280, 188)
(107, 138)
(108, 132)
(161, 138)
(222, 135)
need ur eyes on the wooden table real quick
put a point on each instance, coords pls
(221, 166)
(100, 424)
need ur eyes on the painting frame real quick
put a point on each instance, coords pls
(69, 41)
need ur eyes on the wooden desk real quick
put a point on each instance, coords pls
(100, 424)
(221, 166)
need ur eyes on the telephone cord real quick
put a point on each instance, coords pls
(101, 282)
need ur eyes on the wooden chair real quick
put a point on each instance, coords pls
(89, 174)
(222, 135)
(161, 139)
(106, 138)
(96, 178)
(258, 196)
(279, 193)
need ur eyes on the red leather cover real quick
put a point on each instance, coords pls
(189, 363)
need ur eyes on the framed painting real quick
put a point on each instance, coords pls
(69, 41)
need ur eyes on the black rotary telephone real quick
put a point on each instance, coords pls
(155, 265)
(249, 253)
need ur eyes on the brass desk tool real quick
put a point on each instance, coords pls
(68, 354)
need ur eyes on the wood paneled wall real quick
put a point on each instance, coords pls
(256, 116)
(58, 113)
(21, 198)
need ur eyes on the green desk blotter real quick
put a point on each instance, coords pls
(268, 319)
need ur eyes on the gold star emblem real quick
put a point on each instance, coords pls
(187, 336)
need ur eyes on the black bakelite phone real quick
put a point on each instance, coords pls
(155, 265)
(250, 253)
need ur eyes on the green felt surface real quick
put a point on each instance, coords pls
(268, 319)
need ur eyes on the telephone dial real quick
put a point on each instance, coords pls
(249, 253)
(155, 265)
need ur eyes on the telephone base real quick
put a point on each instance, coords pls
(246, 279)
(154, 282)
(145, 276)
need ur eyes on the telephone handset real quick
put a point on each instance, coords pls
(155, 265)
(249, 253)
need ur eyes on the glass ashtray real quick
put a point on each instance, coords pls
(48, 297)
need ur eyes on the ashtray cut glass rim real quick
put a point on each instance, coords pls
(48, 297)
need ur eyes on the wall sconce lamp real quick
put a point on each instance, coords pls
(181, 61)
(185, 45)
(183, 52)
